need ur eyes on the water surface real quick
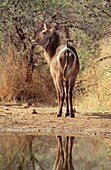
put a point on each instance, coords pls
(40, 152)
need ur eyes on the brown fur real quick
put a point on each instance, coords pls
(64, 66)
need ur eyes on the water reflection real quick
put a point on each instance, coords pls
(20, 152)
(64, 154)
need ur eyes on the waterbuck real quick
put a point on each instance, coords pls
(64, 66)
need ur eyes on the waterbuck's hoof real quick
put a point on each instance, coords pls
(58, 115)
(72, 115)
(74, 110)
(67, 114)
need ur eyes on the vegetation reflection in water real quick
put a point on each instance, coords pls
(20, 152)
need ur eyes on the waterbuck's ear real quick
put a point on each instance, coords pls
(45, 27)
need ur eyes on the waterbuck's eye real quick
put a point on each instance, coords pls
(44, 32)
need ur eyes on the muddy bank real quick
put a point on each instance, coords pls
(17, 119)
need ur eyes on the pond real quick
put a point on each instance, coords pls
(44, 152)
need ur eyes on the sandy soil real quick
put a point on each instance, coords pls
(19, 119)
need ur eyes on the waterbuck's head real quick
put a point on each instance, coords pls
(47, 36)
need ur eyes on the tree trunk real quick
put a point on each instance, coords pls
(29, 63)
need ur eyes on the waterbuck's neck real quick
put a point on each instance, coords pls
(50, 50)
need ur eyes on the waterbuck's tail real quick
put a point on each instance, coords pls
(66, 55)
(67, 61)
(70, 61)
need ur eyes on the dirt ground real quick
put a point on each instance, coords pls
(20, 119)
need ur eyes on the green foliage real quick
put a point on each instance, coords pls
(93, 18)
(86, 48)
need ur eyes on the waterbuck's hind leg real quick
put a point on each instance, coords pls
(67, 102)
(58, 96)
(72, 111)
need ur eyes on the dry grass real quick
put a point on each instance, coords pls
(9, 75)
(12, 81)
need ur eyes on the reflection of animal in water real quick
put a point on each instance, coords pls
(64, 154)
(64, 66)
